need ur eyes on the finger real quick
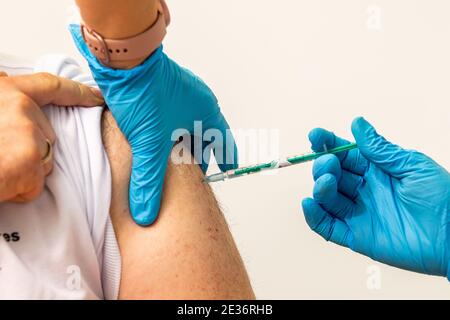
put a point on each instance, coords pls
(48, 166)
(224, 145)
(348, 183)
(48, 159)
(35, 113)
(328, 163)
(44, 130)
(350, 160)
(45, 89)
(33, 182)
(327, 226)
(327, 195)
(147, 180)
(389, 157)
(3, 74)
(33, 194)
(45, 151)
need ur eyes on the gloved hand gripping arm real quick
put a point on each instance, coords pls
(150, 100)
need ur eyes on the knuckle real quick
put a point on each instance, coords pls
(51, 82)
(31, 155)
(21, 102)
(78, 87)
(39, 187)
(29, 182)
(36, 191)
(28, 128)
(34, 176)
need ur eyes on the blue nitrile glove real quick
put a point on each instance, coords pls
(382, 201)
(148, 103)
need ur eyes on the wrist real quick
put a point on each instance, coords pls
(117, 19)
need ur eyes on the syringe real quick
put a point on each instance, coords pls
(277, 164)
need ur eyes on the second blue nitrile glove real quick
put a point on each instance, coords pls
(382, 201)
(150, 102)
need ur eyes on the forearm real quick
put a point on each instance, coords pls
(119, 19)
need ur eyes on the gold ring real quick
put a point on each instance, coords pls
(48, 156)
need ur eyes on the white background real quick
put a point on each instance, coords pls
(294, 65)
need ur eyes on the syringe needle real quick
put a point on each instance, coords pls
(274, 165)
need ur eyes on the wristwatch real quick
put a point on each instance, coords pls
(139, 46)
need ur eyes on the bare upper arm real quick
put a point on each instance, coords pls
(189, 253)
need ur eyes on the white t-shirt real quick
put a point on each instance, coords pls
(62, 245)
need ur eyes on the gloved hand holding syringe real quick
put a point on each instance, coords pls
(378, 199)
(277, 164)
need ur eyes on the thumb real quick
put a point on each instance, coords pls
(389, 157)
